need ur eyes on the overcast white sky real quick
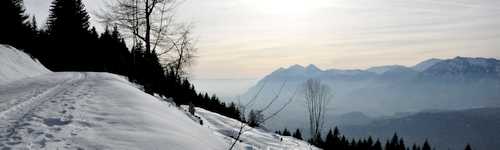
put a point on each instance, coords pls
(251, 38)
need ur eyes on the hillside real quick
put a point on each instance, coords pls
(252, 138)
(40, 109)
(73, 110)
(15, 65)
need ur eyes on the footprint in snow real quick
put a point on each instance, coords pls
(56, 122)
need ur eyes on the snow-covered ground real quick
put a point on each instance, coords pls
(252, 138)
(15, 65)
(40, 109)
(71, 110)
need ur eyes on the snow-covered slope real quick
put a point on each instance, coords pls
(40, 109)
(94, 111)
(15, 65)
(426, 64)
(251, 138)
(465, 67)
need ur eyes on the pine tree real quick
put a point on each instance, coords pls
(415, 147)
(286, 132)
(14, 29)
(119, 57)
(329, 140)
(34, 38)
(377, 145)
(369, 142)
(336, 132)
(426, 146)
(68, 17)
(278, 132)
(318, 141)
(353, 144)
(297, 134)
(68, 28)
(468, 147)
(252, 119)
(401, 145)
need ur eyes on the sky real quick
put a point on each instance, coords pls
(247, 39)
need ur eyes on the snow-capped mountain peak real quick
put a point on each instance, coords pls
(465, 67)
(313, 68)
(436, 67)
(426, 64)
(296, 67)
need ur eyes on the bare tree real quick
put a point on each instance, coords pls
(151, 22)
(317, 96)
(259, 118)
(183, 51)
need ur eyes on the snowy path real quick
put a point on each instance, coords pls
(26, 105)
(71, 110)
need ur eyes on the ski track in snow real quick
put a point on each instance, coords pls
(22, 116)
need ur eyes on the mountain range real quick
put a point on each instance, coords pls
(454, 84)
(456, 67)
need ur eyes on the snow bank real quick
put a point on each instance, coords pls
(130, 119)
(15, 65)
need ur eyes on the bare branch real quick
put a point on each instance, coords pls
(276, 97)
(272, 115)
(317, 96)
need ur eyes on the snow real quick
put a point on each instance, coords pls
(71, 110)
(40, 109)
(252, 138)
(15, 65)
(426, 64)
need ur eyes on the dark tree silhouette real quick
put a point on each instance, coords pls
(286, 132)
(297, 134)
(377, 146)
(333, 141)
(68, 30)
(330, 139)
(426, 146)
(14, 29)
(468, 147)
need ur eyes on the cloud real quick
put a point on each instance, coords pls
(253, 37)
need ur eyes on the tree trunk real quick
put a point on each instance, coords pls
(147, 37)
